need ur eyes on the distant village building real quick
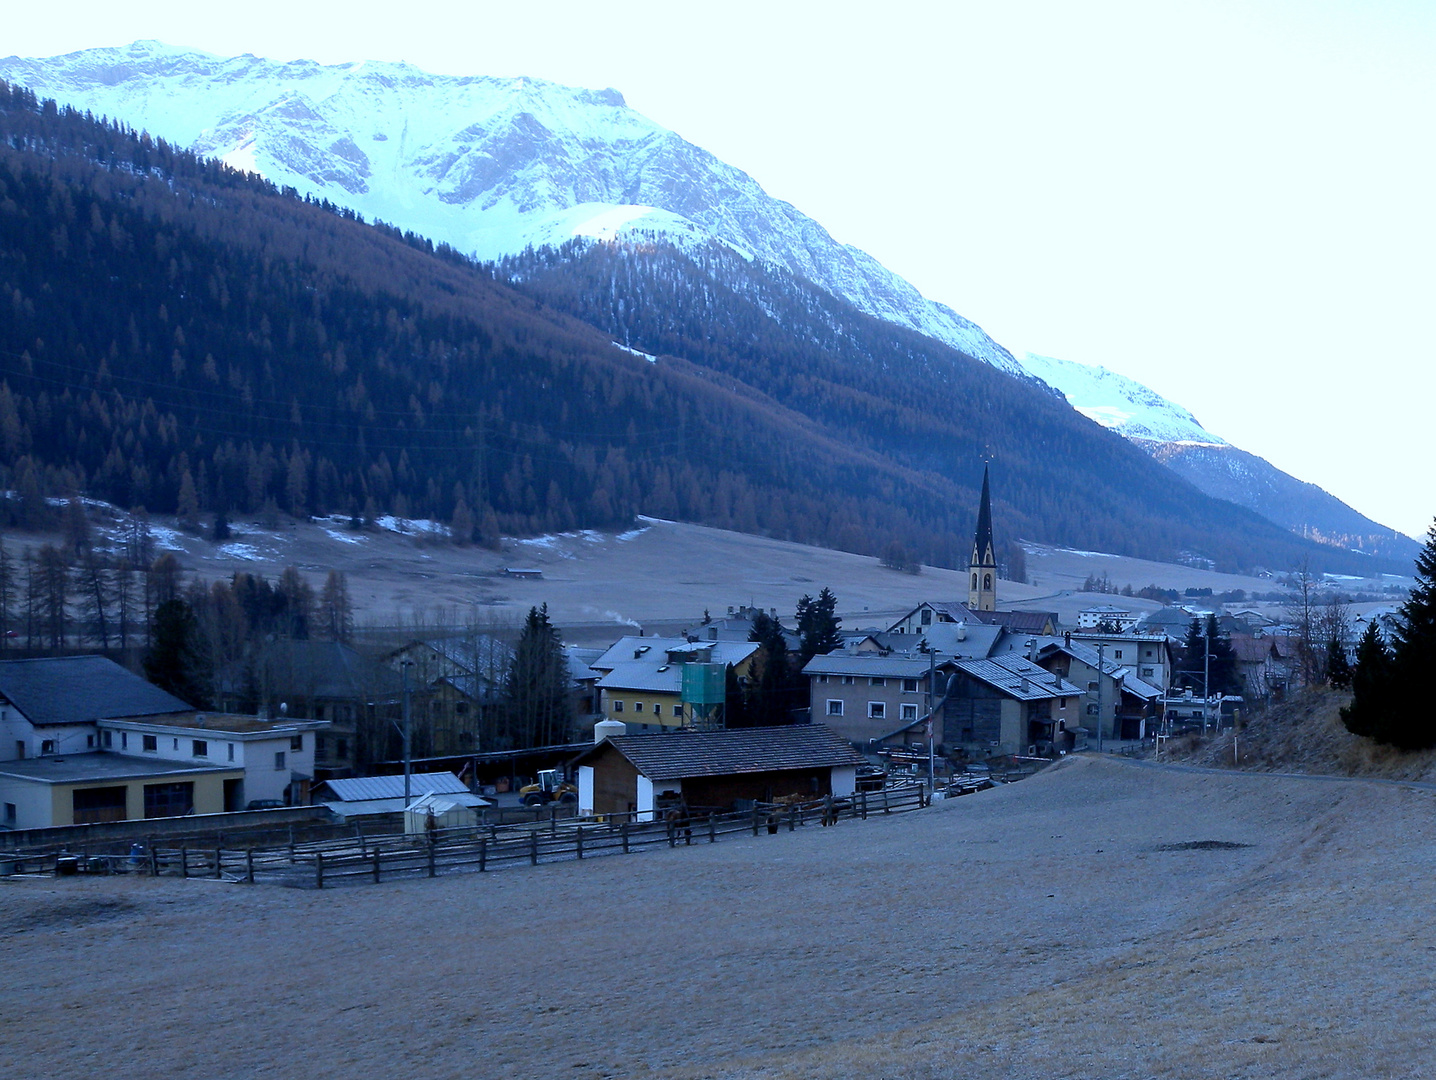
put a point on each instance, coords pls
(1106, 616)
(649, 683)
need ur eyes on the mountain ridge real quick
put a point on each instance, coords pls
(509, 163)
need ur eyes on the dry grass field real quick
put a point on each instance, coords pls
(1102, 919)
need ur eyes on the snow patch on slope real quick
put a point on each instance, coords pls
(1121, 404)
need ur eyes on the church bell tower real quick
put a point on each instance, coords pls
(982, 569)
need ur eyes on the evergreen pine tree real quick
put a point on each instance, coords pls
(1371, 686)
(817, 626)
(537, 689)
(174, 661)
(772, 690)
(1414, 657)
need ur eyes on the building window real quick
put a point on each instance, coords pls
(835, 707)
(199, 748)
(296, 742)
(877, 682)
(974, 583)
(909, 686)
(1092, 710)
(1062, 703)
(877, 710)
(318, 745)
(107, 738)
(822, 678)
(124, 740)
(278, 760)
(461, 708)
(89, 742)
(909, 712)
(927, 616)
(678, 710)
(986, 582)
(150, 743)
(638, 706)
(341, 748)
(1146, 673)
(47, 746)
(176, 745)
(9, 813)
(230, 747)
(618, 706)
(1117, 654)
(847, 680)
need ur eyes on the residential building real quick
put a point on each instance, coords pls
(641, 679)
(1151, 656)
(871, 699)
(276, 756)
(1008, 705)
(50, 705)
(96, 786)
(1106, 617)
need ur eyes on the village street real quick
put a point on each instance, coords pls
(1099, 919)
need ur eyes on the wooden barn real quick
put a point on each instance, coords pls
(641, 773)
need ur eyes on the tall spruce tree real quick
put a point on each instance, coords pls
(537, 699)
(818, 631)
(771, 695)
(1369, 713)
(1414, 657)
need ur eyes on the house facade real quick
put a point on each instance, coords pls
(868, 698)
(641, 679)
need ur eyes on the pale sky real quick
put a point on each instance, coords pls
(1233, 203)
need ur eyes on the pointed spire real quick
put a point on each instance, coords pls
(982, 549)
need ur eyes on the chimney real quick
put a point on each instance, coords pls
(1067, 638)
(962, 630)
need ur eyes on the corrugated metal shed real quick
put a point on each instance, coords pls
(725, 753)
(392, 787)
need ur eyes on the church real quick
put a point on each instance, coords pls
(982, 567)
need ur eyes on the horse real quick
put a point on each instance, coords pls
(679, 820)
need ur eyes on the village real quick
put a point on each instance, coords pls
(734, 718)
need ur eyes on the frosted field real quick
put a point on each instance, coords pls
(1099, 920)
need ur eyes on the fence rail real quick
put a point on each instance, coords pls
(358, 857)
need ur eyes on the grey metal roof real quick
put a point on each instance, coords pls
(78, 768)
(654, 650)
(81, 690)
(725, 753)
(1018, 677)
(868, 665)
(392, 787)
(657, 678)
(971, 641)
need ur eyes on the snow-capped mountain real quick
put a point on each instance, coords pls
(1173, 436)
(1124, 405)
(489, 166)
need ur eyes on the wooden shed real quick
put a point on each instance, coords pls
(639, 773)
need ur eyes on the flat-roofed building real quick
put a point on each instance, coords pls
(78, 789)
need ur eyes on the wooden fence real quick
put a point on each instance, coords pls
(360, 858)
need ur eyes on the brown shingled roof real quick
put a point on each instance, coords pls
(676, 755)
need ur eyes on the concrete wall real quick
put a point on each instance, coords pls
(32, 803)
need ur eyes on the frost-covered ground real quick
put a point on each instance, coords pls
(1102, 919)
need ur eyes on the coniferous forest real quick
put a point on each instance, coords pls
(179, 336)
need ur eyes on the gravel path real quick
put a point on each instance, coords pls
(1097, 920)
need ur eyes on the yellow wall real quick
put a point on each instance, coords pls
(208, 794)
(664, 702)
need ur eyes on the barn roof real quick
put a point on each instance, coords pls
(81, 690)
(676, 755)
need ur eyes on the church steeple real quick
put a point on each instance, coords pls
(982, 568)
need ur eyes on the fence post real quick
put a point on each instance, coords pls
(154, 862)
(712, 828)
(672, 832)
(184, 862)
(792, 818)
(578, 841)
(553, 820)
(218, 859)
(483, 853)
(886, 809)
(623, 831)
(432, 846)
(533, 848)
(319, 869)
(755, 819)
(377, 870)
(249, 865)
(863, 805)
